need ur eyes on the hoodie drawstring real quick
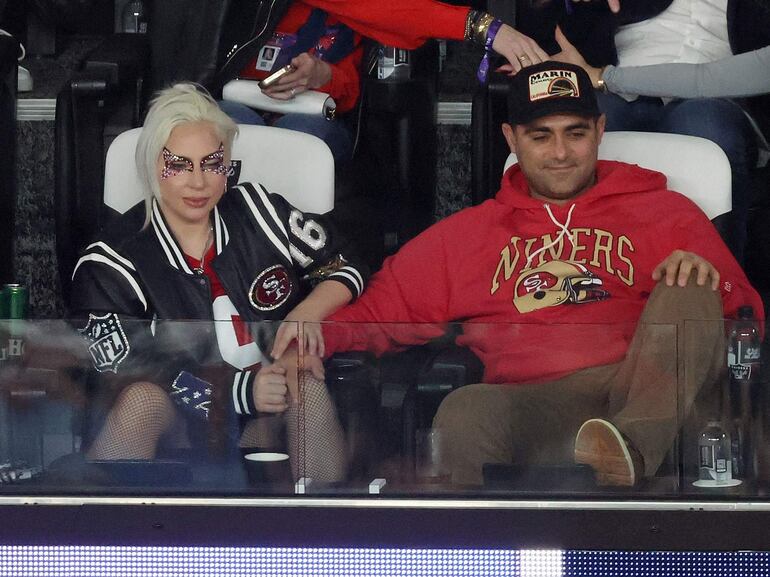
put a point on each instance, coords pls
(563, 230)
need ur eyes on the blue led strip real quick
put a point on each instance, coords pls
(675, 563)
(83, 561)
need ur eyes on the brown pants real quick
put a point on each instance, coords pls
(677, 351)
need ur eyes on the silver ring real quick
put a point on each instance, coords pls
(293, 92)
(523, 57)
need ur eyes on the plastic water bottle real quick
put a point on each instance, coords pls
(134, 18)
(714, 454)
(744, 347)
(393, 63)
(743, 360)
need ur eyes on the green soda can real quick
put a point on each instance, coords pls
(18, 301)
(17, 297)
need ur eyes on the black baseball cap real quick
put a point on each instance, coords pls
(550, 88)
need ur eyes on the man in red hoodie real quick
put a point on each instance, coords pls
(573, 286)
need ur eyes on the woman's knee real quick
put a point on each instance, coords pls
(333, 132)
(717, 119)
(146, 398)
(313, 391)
(621, 114)
(241, 113)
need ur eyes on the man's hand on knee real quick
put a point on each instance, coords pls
(677, 267)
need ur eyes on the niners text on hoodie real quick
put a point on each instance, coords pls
(542, 290)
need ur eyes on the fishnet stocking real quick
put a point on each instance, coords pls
(315, 438)
(264, 432)
(141, 415)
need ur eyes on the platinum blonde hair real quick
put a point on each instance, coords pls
(171, 107)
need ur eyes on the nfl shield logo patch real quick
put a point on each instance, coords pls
(107, 342)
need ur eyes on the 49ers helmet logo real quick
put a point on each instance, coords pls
(271, 288)
(555, 283)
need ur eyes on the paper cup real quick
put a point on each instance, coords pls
(267, 467)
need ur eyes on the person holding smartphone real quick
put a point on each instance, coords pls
(309, 50)
(332, 64)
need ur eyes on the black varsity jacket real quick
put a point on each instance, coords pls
(131, 294)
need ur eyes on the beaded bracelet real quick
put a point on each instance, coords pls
(470, 20)
(481, 29)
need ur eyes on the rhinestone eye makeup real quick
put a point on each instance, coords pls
(174, 165)
(215, 162)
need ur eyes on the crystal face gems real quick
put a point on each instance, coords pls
(174, 164)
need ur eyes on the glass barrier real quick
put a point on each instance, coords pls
(496, 411)
(687, 403)
(110, 406)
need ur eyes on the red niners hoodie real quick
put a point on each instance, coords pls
(542, 290)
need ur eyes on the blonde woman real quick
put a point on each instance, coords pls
(228, 259)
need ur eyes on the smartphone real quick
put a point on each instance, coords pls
(276, 76)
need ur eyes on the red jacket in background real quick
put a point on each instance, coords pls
(345, 84)
(531, 312)
(402, 23)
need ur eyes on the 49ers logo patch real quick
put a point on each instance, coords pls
(107, 343)
(271, 288)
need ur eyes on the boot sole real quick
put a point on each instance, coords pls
(600, 445)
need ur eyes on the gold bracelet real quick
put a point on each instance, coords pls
(601, 84)
(481, 28)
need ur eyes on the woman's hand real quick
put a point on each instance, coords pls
(519, 49)
(270, 389)
(572, 55)
(310, 73)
